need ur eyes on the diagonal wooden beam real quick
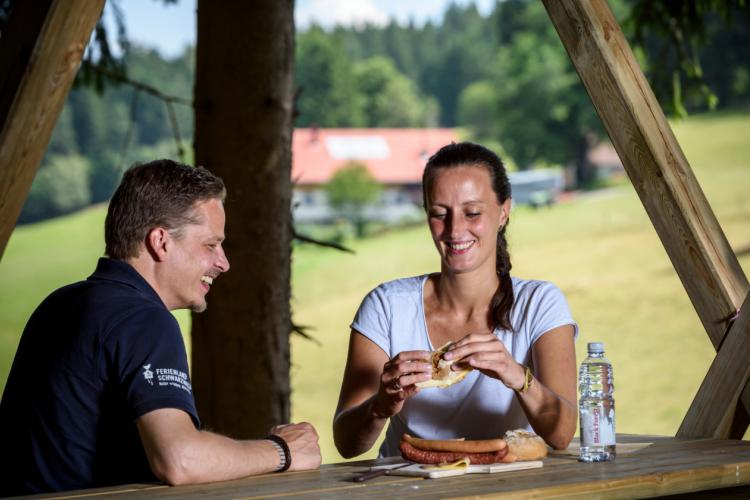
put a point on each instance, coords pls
(712, 410)
(40, 52)
(661, 175)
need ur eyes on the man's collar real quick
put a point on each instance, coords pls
(122, 272)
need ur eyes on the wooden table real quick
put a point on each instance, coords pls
(645, 466)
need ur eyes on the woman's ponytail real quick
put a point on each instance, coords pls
(502, 301)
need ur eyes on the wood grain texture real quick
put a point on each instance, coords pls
(653, 159)
(712, 410)
(652, 467)
(40, 53)
(662, 177)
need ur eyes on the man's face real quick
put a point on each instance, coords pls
(196, 258)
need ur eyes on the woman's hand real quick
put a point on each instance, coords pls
(374, 388)
(397, 381)
(485, 352)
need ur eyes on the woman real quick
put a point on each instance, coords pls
(517, 335)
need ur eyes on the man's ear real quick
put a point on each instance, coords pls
(158, 241)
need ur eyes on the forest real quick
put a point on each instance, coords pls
(503, 78)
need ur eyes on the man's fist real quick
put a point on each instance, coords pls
(302, 440)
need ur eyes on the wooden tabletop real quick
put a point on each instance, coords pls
(645, 466)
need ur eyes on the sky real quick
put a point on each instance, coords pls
(169, 28)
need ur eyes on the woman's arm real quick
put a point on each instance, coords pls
(373, 389)
(550, 401)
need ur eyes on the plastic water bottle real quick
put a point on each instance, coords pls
(596, 406)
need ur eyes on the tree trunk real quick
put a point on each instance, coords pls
(585, 174)
(243, 126)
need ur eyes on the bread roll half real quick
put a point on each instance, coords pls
(442, 375)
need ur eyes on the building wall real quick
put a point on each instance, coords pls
(395, 204)
(401, 203)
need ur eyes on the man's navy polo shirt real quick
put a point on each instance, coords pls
(94, 357)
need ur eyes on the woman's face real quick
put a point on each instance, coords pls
(464, 217)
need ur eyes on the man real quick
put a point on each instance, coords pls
(99, 392)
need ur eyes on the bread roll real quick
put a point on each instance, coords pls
(442, 375)
(525, 445)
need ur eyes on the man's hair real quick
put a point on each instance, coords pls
(161, 193)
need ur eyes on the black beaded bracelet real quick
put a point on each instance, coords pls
(285, 448)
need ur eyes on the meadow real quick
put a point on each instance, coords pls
(599, 248)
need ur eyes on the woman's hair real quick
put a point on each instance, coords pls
(470, 154)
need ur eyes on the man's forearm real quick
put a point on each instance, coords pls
(205, 457)
(178, 453)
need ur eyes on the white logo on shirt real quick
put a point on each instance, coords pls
(148, 374)
(174, 378)
(166, 377)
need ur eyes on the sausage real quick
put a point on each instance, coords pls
(456, 445)
(413, 454)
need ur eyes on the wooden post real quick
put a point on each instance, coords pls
(40, 52)
(713, 408)
(660, 173)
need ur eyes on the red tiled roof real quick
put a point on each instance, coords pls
(393, 155)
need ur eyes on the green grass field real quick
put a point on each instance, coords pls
(600, 249)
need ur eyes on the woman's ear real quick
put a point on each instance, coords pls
(505, 212)
(157, 243)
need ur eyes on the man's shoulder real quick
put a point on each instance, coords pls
(115, 296)
(99, 307)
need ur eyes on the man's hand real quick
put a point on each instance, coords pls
(302, 440)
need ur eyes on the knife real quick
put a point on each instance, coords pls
(378, 472)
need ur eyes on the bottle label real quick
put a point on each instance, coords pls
(598, 426)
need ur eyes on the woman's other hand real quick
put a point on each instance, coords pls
(398, 379)
(486, 353)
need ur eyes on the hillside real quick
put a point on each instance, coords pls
(600, 249)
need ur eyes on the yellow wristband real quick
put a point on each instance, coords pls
(528, 377)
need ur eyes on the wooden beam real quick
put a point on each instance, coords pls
(661, 175)
(712, 410)
(40, 52)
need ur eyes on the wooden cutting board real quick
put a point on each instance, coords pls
(419, 470)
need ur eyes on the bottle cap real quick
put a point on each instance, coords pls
(596, 346)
